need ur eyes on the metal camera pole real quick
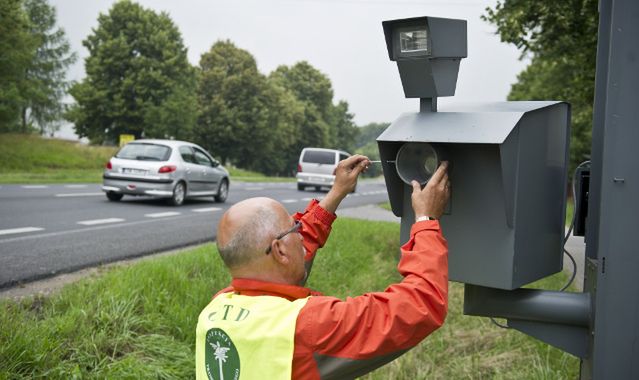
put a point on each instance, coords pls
(612, 244)
(496, 147)
(610, 302)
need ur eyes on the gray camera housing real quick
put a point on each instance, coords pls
(505, 220)
(433, 72)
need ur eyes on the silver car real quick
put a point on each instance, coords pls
(165, 168)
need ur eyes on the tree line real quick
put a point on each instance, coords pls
(34, 56)
(139, 81)
(560, 39)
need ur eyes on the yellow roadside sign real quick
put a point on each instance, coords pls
(125, 139)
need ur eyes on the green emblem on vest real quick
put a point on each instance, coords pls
(220, 356)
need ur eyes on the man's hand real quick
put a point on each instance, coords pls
(432, 200)
(346, 175)
(347, 172)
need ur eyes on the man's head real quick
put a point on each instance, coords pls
(247, 241)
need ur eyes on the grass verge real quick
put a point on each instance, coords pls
(250, 176)
(138, 321)
(386, 206)
(30, 159)
(33, 159)
(53, 176)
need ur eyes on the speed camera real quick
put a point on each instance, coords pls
(508, 162)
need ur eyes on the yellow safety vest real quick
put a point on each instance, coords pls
(244, 337)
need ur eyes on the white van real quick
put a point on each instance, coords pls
(316, 167)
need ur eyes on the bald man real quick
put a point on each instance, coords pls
(266, 325)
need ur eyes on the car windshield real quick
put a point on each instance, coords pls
(319, 157)
(144, 152)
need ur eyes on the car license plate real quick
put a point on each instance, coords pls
(133, 171)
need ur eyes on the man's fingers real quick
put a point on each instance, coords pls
(416, 186)
(439, 173)
(443, 183)
(361, 166)
(355, 164)
(353, 160)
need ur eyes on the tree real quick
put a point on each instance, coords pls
(45, 74)
(243, 118)
(368, 133)
(230, 113)
(345, 129)
(286, 114)
(324, 124)
(561, 39)
(262, 123)
(16, 51)
(314, 92)
(366, 144)
(139, 80)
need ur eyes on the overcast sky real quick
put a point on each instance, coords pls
(341, 38)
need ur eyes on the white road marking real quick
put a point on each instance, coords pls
(162, 214)
(79, 194)
(207, 209)
(289, 201)
(100, 221)
(94, 228)
(35, 187)
(307, 199)
(20, 230)
(75, 186)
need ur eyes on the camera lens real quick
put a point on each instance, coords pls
(417, 161)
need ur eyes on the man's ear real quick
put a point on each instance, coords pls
(279, 252)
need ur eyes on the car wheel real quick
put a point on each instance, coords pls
(222, 191)
(301, 187)
(179, 193)
(113, 196)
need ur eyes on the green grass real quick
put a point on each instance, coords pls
(570, 209)
(251, 176)
(138, 321)
(33, 159)
(386, 206)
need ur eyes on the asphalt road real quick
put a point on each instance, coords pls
(50, 229)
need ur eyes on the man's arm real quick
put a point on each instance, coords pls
(318, 218)
(352, 337)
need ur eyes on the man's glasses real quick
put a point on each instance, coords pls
(296, 227)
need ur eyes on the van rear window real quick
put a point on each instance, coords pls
(319, 157)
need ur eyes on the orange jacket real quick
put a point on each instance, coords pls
(337, 339)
